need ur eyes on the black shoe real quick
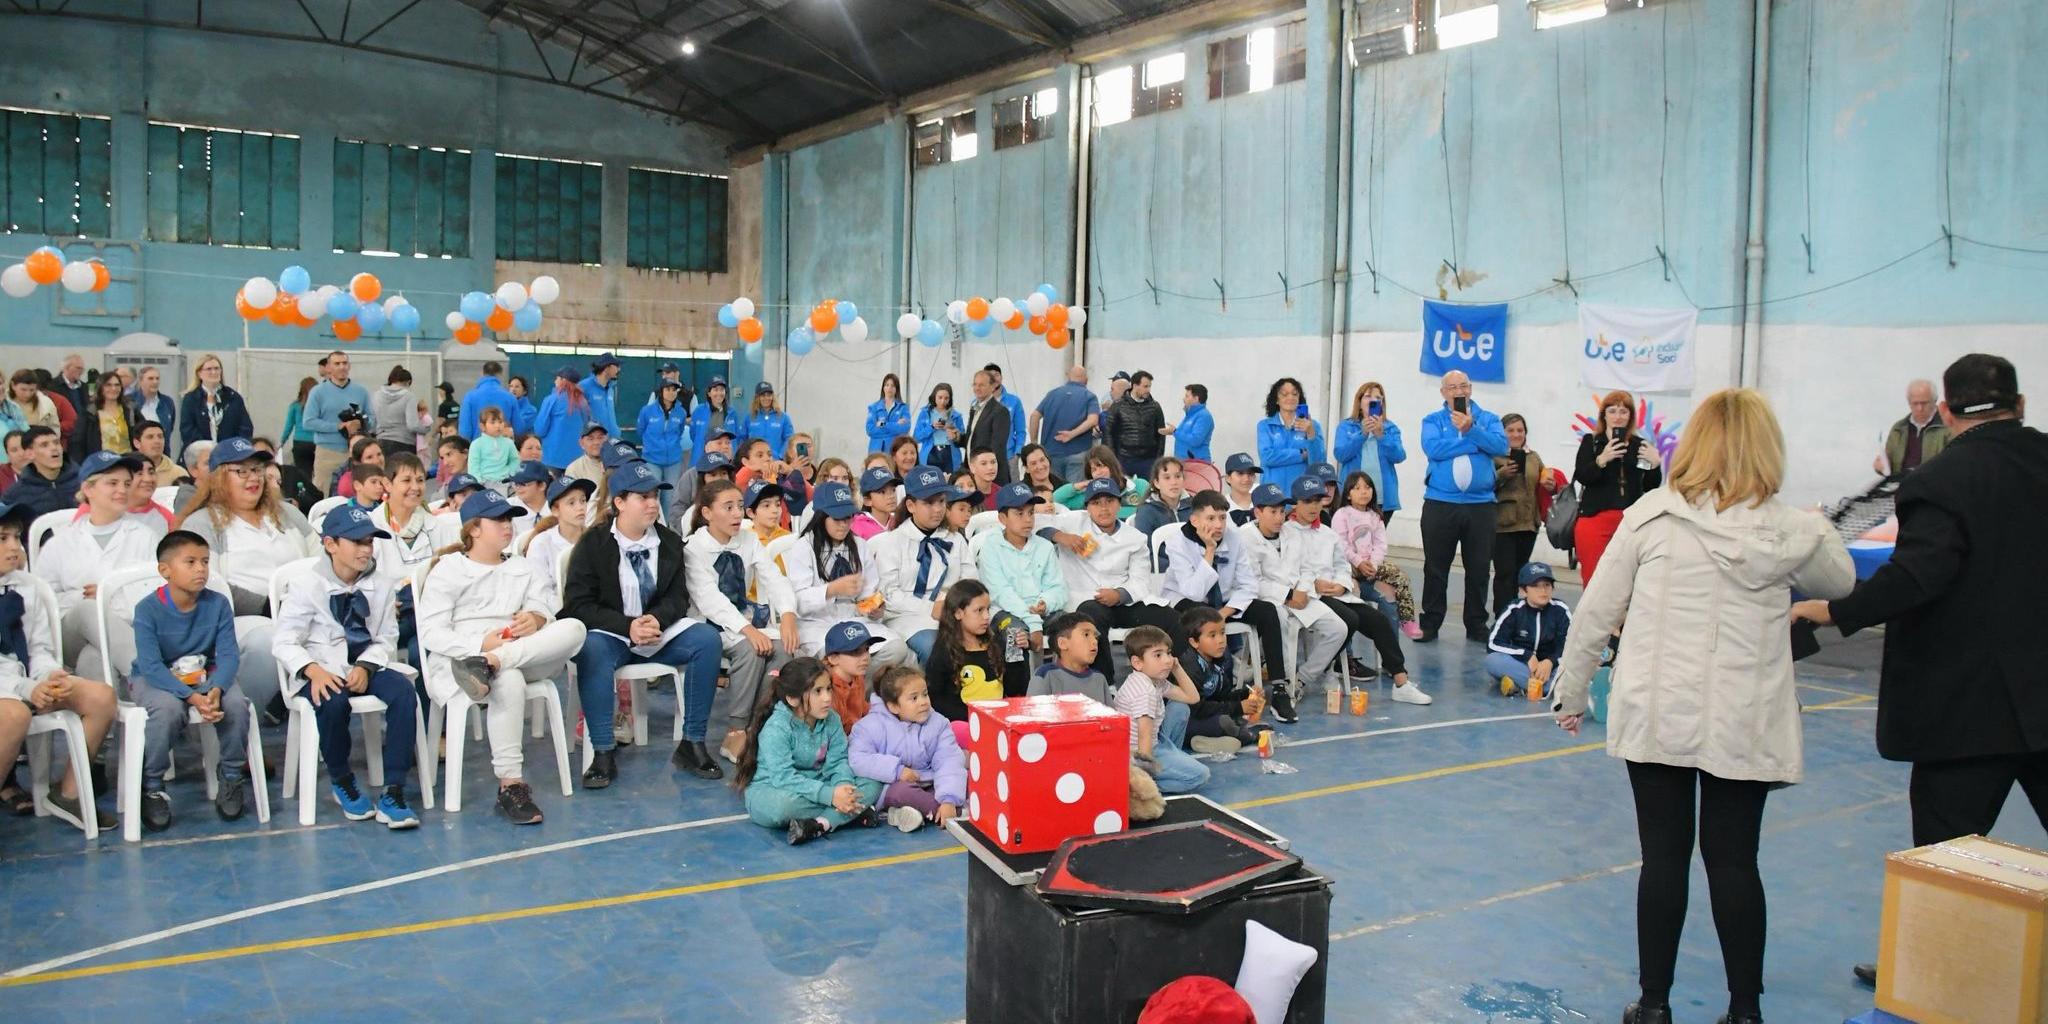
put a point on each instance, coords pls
(803, 830)
(515, 802)
(692, 757)
(1360, 670)
(604, 767)
(1866, 973)
(274, 710)
(232, 799)
(867, 818)
(1428, 637)
(474, 676)
(1477, 638)
(1637, 1013)
(1281, 701)
(156, 811)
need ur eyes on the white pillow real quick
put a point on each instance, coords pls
(1273, 966)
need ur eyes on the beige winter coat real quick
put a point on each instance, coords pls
(1704, 678)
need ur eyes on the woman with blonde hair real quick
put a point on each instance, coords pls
(212, 411)
(1703, 708)
(1370, 443)
(1614, 469)
(251, 532)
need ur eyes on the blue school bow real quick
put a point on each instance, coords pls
(637, 558)
(352, 609)
(14, 638)
(732, 582)
(839, 566)
(927, 550)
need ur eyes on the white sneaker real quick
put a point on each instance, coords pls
(1409, 693)
(906, 818)
(1215, 745)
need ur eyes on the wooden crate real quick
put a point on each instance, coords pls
(1962, 938)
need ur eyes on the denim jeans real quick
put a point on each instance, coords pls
(921, 644)
(775, 808)
(1178, 771)
(167, 722)
(672, 476)
(694, 650)
(401, 710)
(1498, 665)
(1069, 467)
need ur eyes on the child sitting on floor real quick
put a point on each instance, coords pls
(846, 662)
(1072, 669)
(901, 743)
(1528, 639)
(967, 662)
(1157, 697)
(186, 658)
(1216, 724)
(794, 770)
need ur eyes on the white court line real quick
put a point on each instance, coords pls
(1289, 744)
(151, 844)
(353, 890)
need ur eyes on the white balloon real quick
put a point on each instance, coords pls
(1001, 310)
(1037, 303)
(743, 307)
(545, 289)
(907, 325)
(1076, 316)
(78, 276)
(511, 296)
(392, 302)
(328, 291)
(16, 282)
(855, 329)
(312, 305)
(956, 311)
(259, 292)
(453, 320)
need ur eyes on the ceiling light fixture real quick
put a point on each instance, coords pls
(689, 48)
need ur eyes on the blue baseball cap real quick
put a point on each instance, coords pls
(1270, 496)
(1307, 487)
(637, 478)
(764, 388)
(878, 478)
(1017, 495)
(1101, 487)
(530, 472)
(833, 500)
(849, 636)
(488, 504)
(104, 461)
(593, 427)
(618, 453)
(968, 495)
(1241, 463)
(236, 449)
(759, 490)
(711, 462)
(1326, 473)
(924, 482)
(725, 432)
(566, 373)
(351, 522)
(1533, 573)
(669, 368)
(716, 382)
(462, 482)
(567, 484)
(603, 361)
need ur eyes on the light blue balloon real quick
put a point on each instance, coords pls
(981, 328)
(294, 280)
(727, 318)
(342, 306)
(371, 317)
(477, 306)
(1051, 294)
(405, 319)
(527, 320)
(753, 352)
(929, 334)
(801, 341)
(847, 311)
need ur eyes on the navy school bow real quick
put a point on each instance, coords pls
(637, 558)
(928, 550)
(351, 608)
(13, 636)
(732, 582)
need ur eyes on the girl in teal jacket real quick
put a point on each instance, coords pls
(794, 772)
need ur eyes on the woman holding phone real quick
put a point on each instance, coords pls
(1367, 442)
(1290, 440)
(939, 430)
(1615, 468)
(1518, 477)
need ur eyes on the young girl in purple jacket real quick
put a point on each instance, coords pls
(902, 744)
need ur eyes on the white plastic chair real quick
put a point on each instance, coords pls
(302, 734)
(440, 721)
(44, 727)
(982, 522)
(636, 676)
(133, 720)
(324, 506)
(166, 496)
(40, 531)
(1232, 627)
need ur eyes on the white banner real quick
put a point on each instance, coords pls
(1636, 350)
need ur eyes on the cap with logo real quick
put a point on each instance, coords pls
(603, 361)
(1269, 496)
(833, 500)
(1101, 487)
(1533, 573)
(106, 461)
(593, 427)
(848, 637)
(764, 388)
(530, 472)
(716, 382)
(924, 482)
(233, 450)
(1241, 463)
(570, 483)
(618, 453)
(759, 491)
(878, 478)
(637, 478)
(351, 522)
(711, 462)
(1307, 487)
(1326, 472)
(461, 482)
(488, 504)
(1017, 495)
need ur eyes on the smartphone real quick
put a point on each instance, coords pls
(1458, 404)
(1372, 407)
(1617, 433)
(1521, 459)
(803, 449)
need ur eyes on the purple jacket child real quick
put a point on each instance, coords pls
(882, 745)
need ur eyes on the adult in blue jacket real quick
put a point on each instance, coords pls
(1459, 514)
(888, 417)
(1191, 435)
(601, 391)
(563, 415)
(1289, 441)
(1367, 442)
(715, 413)
(522, 405)
(940, 430)
(489, 391)
(768, 423)
(665, 432)
(212, 411)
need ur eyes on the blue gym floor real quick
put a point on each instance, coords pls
(1484, 868)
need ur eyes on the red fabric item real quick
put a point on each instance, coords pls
(1544, 499)
(1590, 536)
(1196, 999)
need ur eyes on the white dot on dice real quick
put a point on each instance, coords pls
(1002, 787)
(1002, 828)
(1002, 746)
(1031, 747)
(974, 806)
(1107, 822)
(1070, 788)
(973, 727)
(974, 766)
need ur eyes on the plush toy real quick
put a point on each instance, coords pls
(1146, 803)
(1196, 999)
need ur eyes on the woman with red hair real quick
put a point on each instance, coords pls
(1615, 467)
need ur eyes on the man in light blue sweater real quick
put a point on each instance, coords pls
(1458, 510)
(324, 407)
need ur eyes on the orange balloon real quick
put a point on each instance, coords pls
(347, 330)
(1015, 321)
(1038, 325)
(44, 267)
(100, 277)
(300, 319)
(751, 329)
(824, 319)
(977, 308)
(248, 312)
(1056, 315)
(365, 287)
(500, 319)
(469, 333)
(284, 312)
(1057, 337)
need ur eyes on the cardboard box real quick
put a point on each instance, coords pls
(1962, 938)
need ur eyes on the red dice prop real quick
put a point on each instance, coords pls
(1041, 770)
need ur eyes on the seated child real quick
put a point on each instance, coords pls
(901, 743)
(1529, 638)
(878, 497)
(968, 662)
(492, 456)
(794, 770)
(529, 495)
(1363, 530)
(1216, 724)
(32, 679)
(1158, 697)
(567, 508)
(846, 663)
(1072, 668)
(1022, 569)
(373, 484)
(336, 635)
(186, 657)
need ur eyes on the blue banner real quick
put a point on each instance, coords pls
(1456, 336)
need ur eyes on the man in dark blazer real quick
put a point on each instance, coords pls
(1963, 693)
(648, 625)
(988, 425)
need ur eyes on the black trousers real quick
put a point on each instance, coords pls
(1511, 552)
(1467, 531)
(1368, 621)
(1952, 799)
(1731, 814)
(1264, 619)
(302, 457)
(1126, 616)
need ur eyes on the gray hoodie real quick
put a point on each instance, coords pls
(396, 413)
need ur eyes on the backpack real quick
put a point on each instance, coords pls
(1564, 515)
